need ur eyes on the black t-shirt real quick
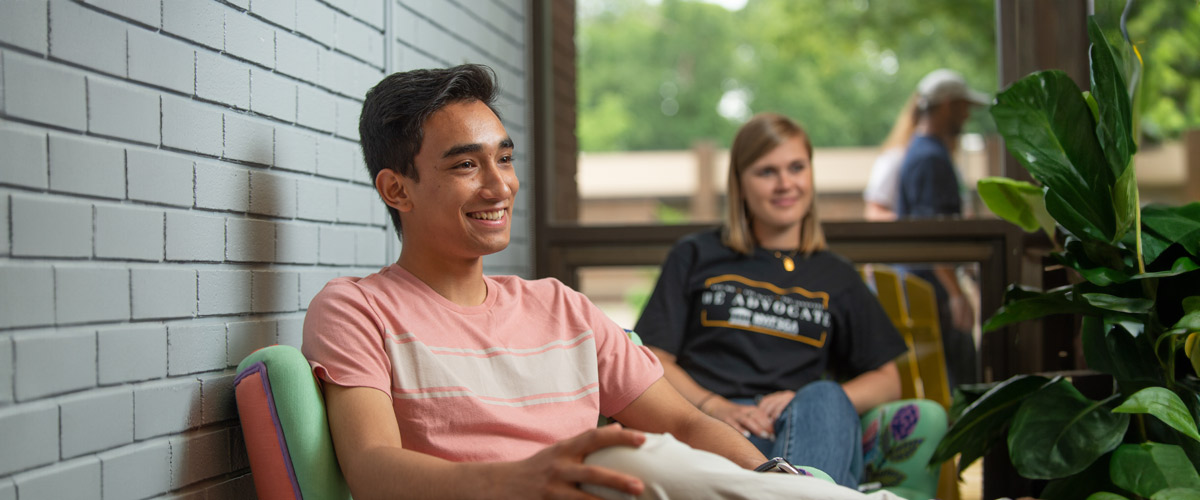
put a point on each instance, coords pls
(742, 325)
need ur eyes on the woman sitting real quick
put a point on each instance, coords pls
(760, 326)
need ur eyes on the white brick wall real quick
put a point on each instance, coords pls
(178, 179)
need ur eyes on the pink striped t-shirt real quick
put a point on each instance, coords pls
(534, 364)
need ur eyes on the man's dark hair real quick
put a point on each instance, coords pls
(393, 116)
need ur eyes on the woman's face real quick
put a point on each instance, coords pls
(778, 188)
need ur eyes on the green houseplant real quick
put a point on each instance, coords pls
(1136, 288)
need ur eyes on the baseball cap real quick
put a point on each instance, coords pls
(942, 85)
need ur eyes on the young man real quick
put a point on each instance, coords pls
(441, 382)
(929, 187)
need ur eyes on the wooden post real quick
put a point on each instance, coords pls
(704, 201)
(1191, 161)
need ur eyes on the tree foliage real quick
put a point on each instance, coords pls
(661, 75)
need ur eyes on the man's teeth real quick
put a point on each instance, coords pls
(495, 215)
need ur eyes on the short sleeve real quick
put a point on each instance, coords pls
(664, 319)
(870, 339)
(626, 370)
(884, 182)
(343, 338)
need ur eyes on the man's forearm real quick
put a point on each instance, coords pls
(709, 434)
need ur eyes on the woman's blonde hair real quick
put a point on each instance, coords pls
(906, 122)
(758, 137)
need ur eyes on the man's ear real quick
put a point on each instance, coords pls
(393, 188)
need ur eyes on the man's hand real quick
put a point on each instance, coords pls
(773, 404)
(744, 419)
(558, 470)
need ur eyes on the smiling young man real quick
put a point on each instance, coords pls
(441, 382)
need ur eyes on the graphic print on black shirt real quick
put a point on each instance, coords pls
(732, 301)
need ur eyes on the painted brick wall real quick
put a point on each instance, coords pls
(178, 178)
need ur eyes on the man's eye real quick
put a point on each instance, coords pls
(506, 159)
(465, 164)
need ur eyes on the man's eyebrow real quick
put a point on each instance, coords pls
(505, 143)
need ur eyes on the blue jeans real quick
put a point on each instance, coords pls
(819, 428)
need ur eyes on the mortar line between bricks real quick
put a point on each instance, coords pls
(515, 43)
(451, 33)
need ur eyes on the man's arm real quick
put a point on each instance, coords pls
(367, 440)
(873, 388)
(661, 409)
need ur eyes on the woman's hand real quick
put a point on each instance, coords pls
(558, 470)
(773, 404)
(745, 419)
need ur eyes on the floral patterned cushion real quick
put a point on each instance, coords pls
(898, 439)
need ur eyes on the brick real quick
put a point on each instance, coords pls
(281, 12)
(221, 79)
(295, 150)
(368, 11)
(137, 471)
(335, 158)
(238, 487)
(275, 292)
(33, 214)
(96, 421)
(249, 139)
(216, 395)
(346, 75)
(8, 489)
(296, 243)
(249, 240)
(124, 232)
(191, 125)
(202, 22)
(312, 282)
(295, 56)
(87, 294)
(6, 370)
(195, 348)
(86, 37)
(249, 38)
(354, 204)
(315, 108)
(291, 331)
(158, 177)
(337, 246)
(28, 436)
(121, 110)
(272, 95)
(5, 243)
(147, 12)
(26, 294)
(224, 292)
(24, 161)
(24, 24)
(42, 358)
(76, 479)
(360, 40)
(132, 353)
(166, 407)
(86, 166)
(163, 293)
(316, 20)
(44, 92)
(348, 111)
(222, 187)
(371, 247)
(195, 237)
(199, 456)
(272, 194)
(245, 337)
(162, 61)
(316, 200)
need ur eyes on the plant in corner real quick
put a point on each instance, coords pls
(1136, 288)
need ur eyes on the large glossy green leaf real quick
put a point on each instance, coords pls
(1104, 495)
(1030, 305)
(983, 423)
(1163, 404)
(1118, 304)
(1147, 468)
(1175, 224)
(1190, 322)
(1047, 126)
(1114, 129)
(1058, 432)
(1092, 480)
(1018, 202)
(1181, 265)
(1176, 494)
(1115, 352)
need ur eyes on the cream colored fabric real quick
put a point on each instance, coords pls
(673, 470)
